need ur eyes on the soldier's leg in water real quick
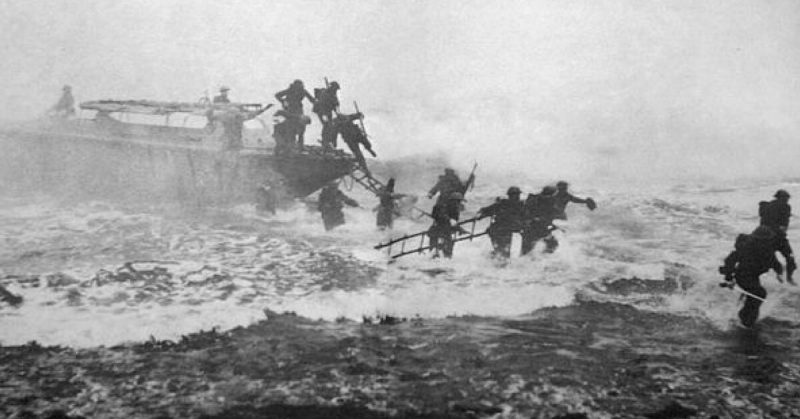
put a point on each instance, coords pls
(503, 244)
(551, 244)
(528, 242)
(748, 315)
(785, 250)
(447, 245)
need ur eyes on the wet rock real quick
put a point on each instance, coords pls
(674, 410)
(9, 298)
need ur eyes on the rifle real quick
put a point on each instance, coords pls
(367, 144)
(471, 179)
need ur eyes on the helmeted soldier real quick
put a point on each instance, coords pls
(753, 255)
(538, 223)
(354, 137)
(507, 218)
(331, 202)
(775, 214)
(387, 208)
(448, 183)
(222, 97)
(563, 197)
(445, 216)
(65, 107)
(326, 102)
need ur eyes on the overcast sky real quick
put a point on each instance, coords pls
(594, 74)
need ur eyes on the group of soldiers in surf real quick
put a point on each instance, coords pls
(533, 219)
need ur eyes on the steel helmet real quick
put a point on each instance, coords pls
(513, 191)
(457, 195)
(334, 85)
(781, 193)
(224, 89)
(562, 185)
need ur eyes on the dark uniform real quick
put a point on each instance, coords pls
(448, 183)
(223, 96)
(331, 202)
(354, 137)
(753, 255)
(563, 197)
(292, 100)
(445, 214)
(387, 208)
(538, 223)
(508, 215)
(65, 106)
(327, 102)
(775, 214)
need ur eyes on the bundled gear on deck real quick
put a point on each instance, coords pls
(753, 255)
(331, 202)
(508, 216)
(222, 97)
(775, 214)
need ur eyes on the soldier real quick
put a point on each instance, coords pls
(448, 183)
(508, 215)
(354, 137)
(292, 100)
(331, 202)
(538, 224)
(563, 197)
(268, 196)
(445, 215)
(65, 107)
(288, 131)
(753, 255)
(327, 102)
(387, 208)
(775, 214)
(222, 97)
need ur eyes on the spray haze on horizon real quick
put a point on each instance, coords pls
(589, 90)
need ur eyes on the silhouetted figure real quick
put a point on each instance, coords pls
(222, 97)
(448, 183)
(354, 137)
(292, 100)
(538, 222)
(268, 197)
(232, 121)
(445, 216)
(331, 202)
(65, 107)
(753, 255)
(775, 214)
(563, 197)
(507, 218)
(287, 131)
(326, 102)
(387, 208)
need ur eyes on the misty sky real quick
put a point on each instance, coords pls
(625, 79)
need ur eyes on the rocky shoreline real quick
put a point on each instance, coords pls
(589, 360)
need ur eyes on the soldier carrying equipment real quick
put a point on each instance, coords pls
(445, 224)
(775, 214)
(331, 202)
(508, 216)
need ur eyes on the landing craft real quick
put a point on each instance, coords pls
(165, 149)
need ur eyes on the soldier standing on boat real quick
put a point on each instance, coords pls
(292, 100)
(508, 215)
(354, 137)
(563, 197)
(445, 215)
(775, 214)
(753, 255)
(65, 107)
(331, 202)
(448, 183)
(222, 97)
(539, 212)
(387, 208)
(326, 102)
